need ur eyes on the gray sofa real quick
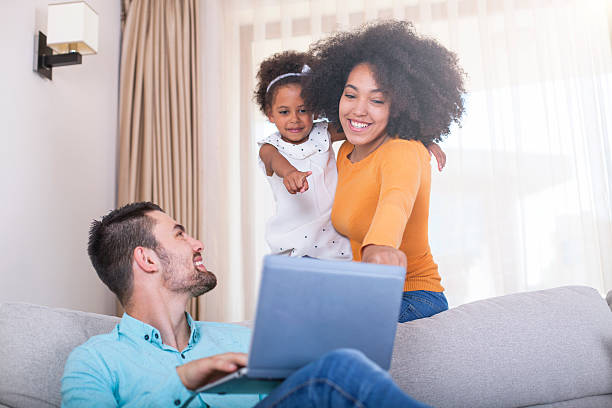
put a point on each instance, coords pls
(550, 348)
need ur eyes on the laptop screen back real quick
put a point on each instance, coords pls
(308, 307)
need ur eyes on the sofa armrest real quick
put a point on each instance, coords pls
(36, 343)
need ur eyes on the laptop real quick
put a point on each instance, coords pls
(308, 307)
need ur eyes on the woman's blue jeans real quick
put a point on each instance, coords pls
(418, 304)
(341, 378)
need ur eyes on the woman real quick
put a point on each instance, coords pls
(393, 92)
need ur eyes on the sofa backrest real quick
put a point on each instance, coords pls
(36, 341)
(518, 350)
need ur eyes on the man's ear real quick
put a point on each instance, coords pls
(146, 259)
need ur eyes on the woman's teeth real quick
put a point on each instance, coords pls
(359, 125)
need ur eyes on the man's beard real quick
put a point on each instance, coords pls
(197, 283)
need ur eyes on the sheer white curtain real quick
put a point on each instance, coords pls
(524, 202)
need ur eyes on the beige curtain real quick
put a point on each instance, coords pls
(159, 127)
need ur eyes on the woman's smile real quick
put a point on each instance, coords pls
(358, 126)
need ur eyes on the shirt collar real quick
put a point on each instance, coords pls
(318, 141)
(195, 330)
(136, 329)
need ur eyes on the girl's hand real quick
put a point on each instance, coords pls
(295, 181)
(383, 254)
(438, 153)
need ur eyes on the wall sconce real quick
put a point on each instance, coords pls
(72, 32)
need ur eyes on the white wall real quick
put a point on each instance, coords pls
(58, 143)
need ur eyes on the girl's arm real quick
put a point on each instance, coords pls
(335, 132)
(293, 179)
(438, 153)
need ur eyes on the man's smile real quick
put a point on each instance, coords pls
(198, 262)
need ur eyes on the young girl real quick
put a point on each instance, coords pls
(302, 223)
(303, 176)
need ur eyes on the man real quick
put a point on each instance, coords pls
(157, 355)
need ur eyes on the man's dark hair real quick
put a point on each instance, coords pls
(112, 241)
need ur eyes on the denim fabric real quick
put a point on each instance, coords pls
(341, 378)
(418, 304)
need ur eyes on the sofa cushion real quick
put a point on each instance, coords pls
(36, 342)
(516, 350)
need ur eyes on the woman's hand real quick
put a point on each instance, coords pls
(383, 254)
(295, 181)
(198, 373)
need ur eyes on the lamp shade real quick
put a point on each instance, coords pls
(72, 27)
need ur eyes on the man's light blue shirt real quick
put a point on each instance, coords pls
(131, 367)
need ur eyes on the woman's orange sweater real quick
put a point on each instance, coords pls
(384, 200)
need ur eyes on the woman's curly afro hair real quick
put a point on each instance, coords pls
(422, 78)
(274, 66)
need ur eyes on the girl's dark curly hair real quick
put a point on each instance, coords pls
(422, 78)
(278, 64)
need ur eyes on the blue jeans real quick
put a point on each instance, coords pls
(418, 304)
(341, 378)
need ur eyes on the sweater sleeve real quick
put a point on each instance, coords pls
(400, 176)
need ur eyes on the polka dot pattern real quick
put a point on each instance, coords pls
(302, 223)
(317, 142)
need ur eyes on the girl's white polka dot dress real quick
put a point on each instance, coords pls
(302, 223)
